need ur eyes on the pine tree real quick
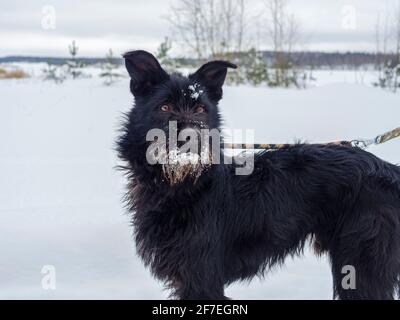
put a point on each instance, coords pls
(252, 68)
(163, 56)
(389, 76)
(256, 69)
(109, 66)
(54, 73)
(73, 64)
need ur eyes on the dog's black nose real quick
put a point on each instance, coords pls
(184, 118)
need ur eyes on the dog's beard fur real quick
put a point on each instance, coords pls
(187, 165)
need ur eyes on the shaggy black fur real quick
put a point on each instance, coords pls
(199, 237)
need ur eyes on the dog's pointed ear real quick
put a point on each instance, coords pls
(144, 70)
(212, 76)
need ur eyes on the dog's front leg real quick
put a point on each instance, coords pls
(200, 280)
(194, 290)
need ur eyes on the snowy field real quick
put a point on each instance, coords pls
(60, 196)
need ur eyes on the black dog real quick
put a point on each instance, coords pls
(203, 231)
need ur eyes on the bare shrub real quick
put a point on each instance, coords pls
(13, 74)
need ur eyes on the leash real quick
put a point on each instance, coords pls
(357, 143)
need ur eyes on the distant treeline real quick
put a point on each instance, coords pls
(64, 60)
(303, 59)
(335, 59)
(52, 60)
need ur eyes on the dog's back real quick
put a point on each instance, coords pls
(345, 198)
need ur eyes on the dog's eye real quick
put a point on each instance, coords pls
(200, 109)
(165, 108)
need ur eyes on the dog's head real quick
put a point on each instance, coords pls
(162, 99)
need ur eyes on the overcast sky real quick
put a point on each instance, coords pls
(97, 25)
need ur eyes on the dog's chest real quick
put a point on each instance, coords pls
(167, 239)
(172, 229)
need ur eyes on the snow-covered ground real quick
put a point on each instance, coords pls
(60, 196)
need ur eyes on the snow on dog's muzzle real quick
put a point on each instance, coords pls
(183, 165)
(184, 154)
